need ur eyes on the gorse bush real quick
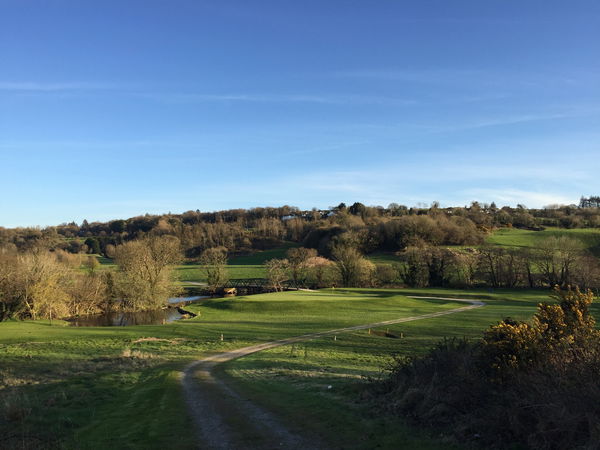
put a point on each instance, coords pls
(533, 384)
(560, 334)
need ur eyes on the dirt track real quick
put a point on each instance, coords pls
(225, 420)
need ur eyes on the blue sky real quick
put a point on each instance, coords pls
(117, 108)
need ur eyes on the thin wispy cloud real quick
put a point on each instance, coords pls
(475, 77)
(501, 121)
(162, 93)
(35, 86)
(466, 124)
(455, 184)
(418, 75)
(325, 149)
(534, 199)
(191, 97)
(307, 104)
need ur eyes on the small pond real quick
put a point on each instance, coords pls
(122, 319)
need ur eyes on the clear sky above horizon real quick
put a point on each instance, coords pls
(114, 109)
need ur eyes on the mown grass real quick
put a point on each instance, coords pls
(193, 272)
(238, 267)
(321, 383)
(117, 387)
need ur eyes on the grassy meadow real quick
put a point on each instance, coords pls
(320, 384)
(514, 237)
(118, 386)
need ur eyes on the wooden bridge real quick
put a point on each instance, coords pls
(247, 283)
(257, 285)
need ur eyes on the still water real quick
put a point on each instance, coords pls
(121, 319)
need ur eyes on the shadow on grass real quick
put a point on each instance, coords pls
(102, 410)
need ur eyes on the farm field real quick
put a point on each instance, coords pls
(78, 387)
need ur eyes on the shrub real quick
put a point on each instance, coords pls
(533, 384)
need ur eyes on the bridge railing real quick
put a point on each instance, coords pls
(241, 283)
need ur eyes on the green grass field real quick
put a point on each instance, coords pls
(513, 237)
(238, 267)
(295, 380)
(118, 387)
(383, 258)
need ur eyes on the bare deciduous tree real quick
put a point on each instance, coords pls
(298, 258)
(214, 261)
(352, 267)
(277, 272)
(145, 278)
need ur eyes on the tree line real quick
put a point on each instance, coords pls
(242, 230)
(39, 283)
(557, 261)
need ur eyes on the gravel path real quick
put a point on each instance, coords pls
(225, 420)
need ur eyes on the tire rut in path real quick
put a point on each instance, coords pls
(215, 408)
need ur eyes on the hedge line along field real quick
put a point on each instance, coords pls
(119, 387)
